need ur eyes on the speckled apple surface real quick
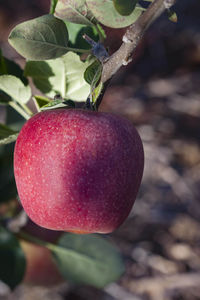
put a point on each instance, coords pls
(78, 170)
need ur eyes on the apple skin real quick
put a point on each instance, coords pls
(78, 170)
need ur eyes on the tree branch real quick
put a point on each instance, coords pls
(132, 37)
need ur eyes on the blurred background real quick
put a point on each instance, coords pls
(160, 93)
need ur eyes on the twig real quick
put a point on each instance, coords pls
(132, 37)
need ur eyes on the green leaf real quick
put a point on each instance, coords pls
(105, 12)
(47, 76)
(53, 104)
(42, 38)
(8, 66)
(40, 101)
(93, 73)
(12, 259)
(76, 32)
(64, 76)
(74, 11)
(15, 88)
(77, 88)
(58, 103)
(87, 259)
(96, 92)
(53, 6)
(125, 7)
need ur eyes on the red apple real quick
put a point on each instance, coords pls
(78, 170)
